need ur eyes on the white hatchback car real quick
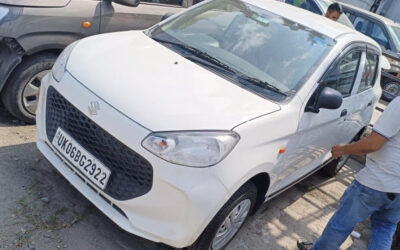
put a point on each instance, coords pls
(179, 132)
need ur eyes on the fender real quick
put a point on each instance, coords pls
(42, 41)
(11, 53)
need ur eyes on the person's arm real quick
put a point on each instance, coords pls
(369, 144)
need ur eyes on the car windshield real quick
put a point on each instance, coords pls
(267, 49)
(395, 31)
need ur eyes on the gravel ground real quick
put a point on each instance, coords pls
(39, 209)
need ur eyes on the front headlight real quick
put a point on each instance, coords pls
(193, 149)
(60, 65)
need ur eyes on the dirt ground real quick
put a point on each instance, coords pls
(39, 209)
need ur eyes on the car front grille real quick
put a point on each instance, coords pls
(131, 174)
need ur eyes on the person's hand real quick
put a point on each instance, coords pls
(338, 151)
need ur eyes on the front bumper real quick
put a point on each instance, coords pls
(182, 200)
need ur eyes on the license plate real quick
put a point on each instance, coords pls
(81, 159)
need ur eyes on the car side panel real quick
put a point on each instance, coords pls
(39, 29)
(117, 17)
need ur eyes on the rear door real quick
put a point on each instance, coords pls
(364, 94)
(118, 17)
(319, 132)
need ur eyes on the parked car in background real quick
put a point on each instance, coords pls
(34, 32)
(387, 34)
(318, 7)
(180, 132)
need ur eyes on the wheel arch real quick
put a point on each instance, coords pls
(262, 182)
(23, 58)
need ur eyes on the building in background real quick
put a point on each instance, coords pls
(387, 8)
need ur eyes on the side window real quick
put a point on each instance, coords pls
(369, 72)
(361, 24)
(305, 4)
(379, 35)
(350, 16)
(169, 2)
(343, 74)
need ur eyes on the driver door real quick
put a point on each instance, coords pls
(318, 132)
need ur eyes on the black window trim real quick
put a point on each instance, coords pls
(355, 46)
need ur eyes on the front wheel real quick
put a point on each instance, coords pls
(228, 220)
(20, 96)
(391, 89)
(332, 168)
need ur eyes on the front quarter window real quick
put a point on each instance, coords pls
(342, 75)
(274, 54)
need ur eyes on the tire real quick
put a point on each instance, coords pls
(332, 168)
(247, 193)
(20, 95)
(396, 239)
(390, 88)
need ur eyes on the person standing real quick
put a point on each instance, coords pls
(334, 11)
(375, 192)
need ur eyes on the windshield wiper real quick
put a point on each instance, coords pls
(260, 83)
(207, 60)
(200, 54)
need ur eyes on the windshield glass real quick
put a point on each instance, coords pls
(395, 32)
(251, 41)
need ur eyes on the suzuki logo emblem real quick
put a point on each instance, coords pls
(94, 107)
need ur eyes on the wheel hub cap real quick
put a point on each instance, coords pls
(392, 88)
(30, 93)
(231, 224)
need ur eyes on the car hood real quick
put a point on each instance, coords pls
(158, 88)
(36, 3)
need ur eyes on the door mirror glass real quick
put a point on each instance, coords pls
(132, 3)
(327, 98)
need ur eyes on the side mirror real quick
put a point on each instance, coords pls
(132, 3)
(327, 98)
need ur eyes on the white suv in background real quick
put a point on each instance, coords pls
(179, 132)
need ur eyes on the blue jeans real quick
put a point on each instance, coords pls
(356, 204)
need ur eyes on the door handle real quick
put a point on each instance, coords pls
(369, 104)
(344, 113)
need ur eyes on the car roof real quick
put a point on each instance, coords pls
(374, 15)
(306, 18)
